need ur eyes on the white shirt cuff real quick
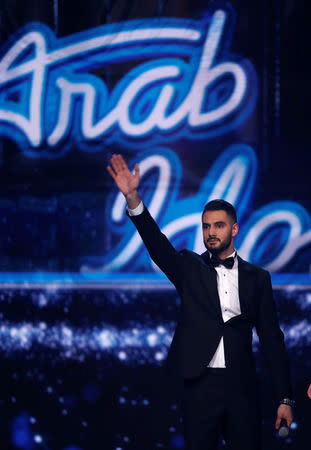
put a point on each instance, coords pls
(138, 210)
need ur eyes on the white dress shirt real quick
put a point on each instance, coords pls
(228, 291)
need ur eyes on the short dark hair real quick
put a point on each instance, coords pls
(218, 204)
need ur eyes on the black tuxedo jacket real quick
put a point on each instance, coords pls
(200, 325)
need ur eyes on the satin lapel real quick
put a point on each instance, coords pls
(212, 285)
(245, 281)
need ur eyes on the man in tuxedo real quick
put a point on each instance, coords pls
(222, 299)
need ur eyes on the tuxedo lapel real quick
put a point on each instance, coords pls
(245, 281)
(212, 285)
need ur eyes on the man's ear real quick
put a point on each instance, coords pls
(235, 229)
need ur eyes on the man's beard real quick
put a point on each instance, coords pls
(223, 246)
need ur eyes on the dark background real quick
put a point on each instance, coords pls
(72, 393)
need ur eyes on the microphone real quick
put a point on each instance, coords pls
(283, 431)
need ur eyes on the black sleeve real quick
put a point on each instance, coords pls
(166, 257)
(271, 339)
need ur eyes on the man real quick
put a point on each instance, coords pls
(222, 299)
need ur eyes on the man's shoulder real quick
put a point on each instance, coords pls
(196, 257)
(190, 254)
(252, 267)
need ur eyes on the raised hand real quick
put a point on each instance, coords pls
(126, 181)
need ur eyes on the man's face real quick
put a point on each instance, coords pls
(218, 231)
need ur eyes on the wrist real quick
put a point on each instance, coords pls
(287, 401)
(132, 199)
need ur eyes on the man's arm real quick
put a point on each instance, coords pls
(160, 249)
(271, 339)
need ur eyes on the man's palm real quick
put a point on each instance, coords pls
(126, 181)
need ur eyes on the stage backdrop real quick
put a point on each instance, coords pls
(213, 101)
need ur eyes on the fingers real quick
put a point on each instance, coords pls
(136, 171)
(118, 163)
(120, 171)
(278, 422)
(114, 163)
(122, 162)
(111, 172)
(284, 413)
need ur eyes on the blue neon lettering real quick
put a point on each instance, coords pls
(166, 97)
(233, 178)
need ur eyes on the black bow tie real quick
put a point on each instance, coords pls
(228, 262)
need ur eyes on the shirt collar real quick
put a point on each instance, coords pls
(234, 254)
